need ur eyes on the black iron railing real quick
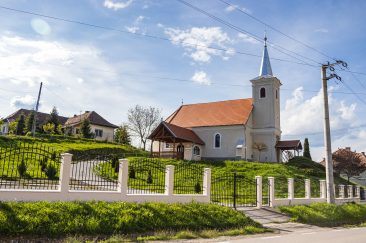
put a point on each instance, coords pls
(29, 166)
(188, 179)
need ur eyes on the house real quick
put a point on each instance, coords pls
(41, 119)
(232, 129)
(103, 130)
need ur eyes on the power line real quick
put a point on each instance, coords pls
(276, 47)
(275, 29)
(145, 35)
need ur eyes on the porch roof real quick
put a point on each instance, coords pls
(169, 133)
(289, 145)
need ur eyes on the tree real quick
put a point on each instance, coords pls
(49, 128)
(348, 162)
(20, 125)
(306, 149)
(122, 135)
(29, 122)
(13, 127)
(260, 147)
(53, 119)
(85, 129)
(142, 121)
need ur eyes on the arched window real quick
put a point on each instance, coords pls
(217, 142)
(276, 94)
(262, 93)
(196, 150)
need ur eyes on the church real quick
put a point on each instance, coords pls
(247, 129)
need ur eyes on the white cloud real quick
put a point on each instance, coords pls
(135, 25)
(246, 38)
(196, 40)
(302, 116)
(201, 77)
(321, 30)
(116, 5)
(27, 102)
(231, 8)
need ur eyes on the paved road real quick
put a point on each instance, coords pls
(342, 235)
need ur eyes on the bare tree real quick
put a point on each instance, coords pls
(142, 121)
(260, 147)
(348, 162)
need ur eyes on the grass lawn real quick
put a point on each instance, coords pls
(327, 215)
(146, 221)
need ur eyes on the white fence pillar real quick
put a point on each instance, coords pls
(65, 172)
(323, 189)
(258, 180)
(271, 196)
(307, 188)
(358, 192)
(341, 191)
(169, 180)
(207, 182)
(290, 185)
(350, 191)
(123, 177)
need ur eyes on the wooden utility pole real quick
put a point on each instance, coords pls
(327, 139)
(35, 114)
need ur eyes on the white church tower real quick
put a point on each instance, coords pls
(266, 130)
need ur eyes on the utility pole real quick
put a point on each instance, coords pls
(327, 139)
(35, 114)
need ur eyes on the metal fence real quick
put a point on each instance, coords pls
(95, 173)
(146, 176)
(281, 187)
(188, 179)
(29, 166)
(299, 187)
(233, 190)
(315, 188)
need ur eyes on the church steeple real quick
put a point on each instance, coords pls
(266, 69)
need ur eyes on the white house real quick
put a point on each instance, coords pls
(231, 129)
(103, 130)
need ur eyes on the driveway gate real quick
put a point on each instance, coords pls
(233, 190)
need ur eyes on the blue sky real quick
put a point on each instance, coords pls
(85, 68)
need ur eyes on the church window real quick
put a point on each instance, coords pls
(196, 150)
(217, 142)
(262, 93)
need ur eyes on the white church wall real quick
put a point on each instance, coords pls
(230, 135)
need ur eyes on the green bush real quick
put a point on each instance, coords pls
(51, 172)
(95, 218)
(22, 168)
(323, 214)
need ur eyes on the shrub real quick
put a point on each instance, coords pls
(22, 168)
(132, 173)
(51, 171)
(197, 187)
(149, 179)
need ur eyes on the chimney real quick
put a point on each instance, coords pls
(363, 153)
(75, 115)
(348, 148)
(87, 111)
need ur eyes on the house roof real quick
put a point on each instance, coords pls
(220, 113)
(41, 117)
(180, 134)
(289, 144)
(92, 116)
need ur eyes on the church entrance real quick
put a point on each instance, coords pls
(180, 151)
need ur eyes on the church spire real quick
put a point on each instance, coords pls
(266, 69)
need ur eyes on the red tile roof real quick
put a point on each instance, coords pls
(42, 118)
(220, 113)
(179, 133)
(289, 144)
(92, 116)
